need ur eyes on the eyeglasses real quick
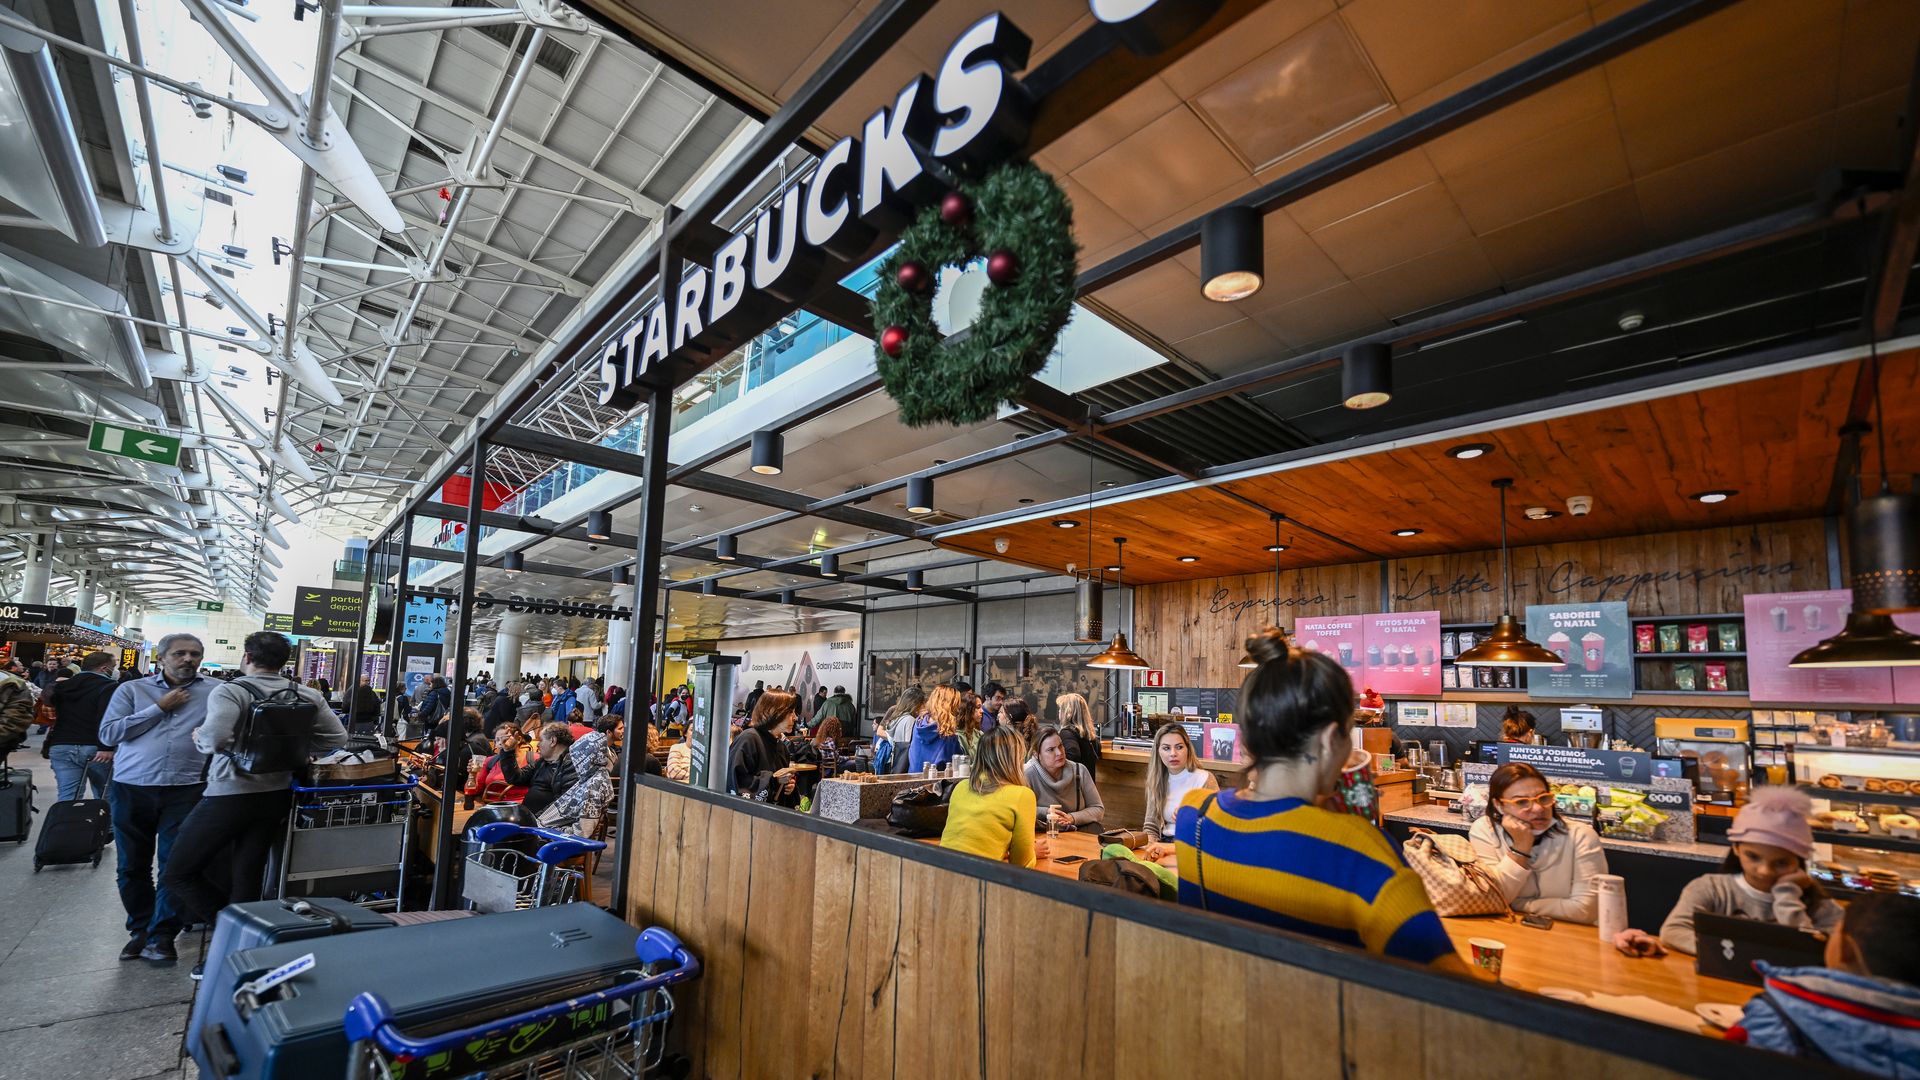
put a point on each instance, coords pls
(1539, 802)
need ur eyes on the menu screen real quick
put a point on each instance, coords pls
(1779, 625)
(1593, 640)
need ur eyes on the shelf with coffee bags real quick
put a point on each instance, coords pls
(1456, 638)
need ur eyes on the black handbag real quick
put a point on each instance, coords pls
(921, 812)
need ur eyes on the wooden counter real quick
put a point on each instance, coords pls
(1572, 957)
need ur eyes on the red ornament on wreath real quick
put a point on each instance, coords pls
(914, 277)
(1003, 267)
(1017, 221)
(956, 210)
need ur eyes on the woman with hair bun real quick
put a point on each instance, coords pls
(1268, 853)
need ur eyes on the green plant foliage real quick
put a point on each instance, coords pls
(1016, 208)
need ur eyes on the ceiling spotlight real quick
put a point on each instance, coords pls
(1631, 321)
(1406, 532)
(238, 176)
(1366, 376)
(1026, 502)
(600, 525)
(1540, 513)
(1469, 451)
(769, 452)
(1189, 558)
(1275, 549)
(726, 549)
(694, 508)
(920, 495)
(1065, 523)
(513, 562)
(916, 581)
(622, 575)
(1717, 496)
(1232, 259)
(829, 565)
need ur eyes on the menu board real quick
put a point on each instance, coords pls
(1339, 636)
(1402, 654)
(1780, 625)
(1595, 643)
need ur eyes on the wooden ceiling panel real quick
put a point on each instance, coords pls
(1160, 168)
(1458, 270)
(1268, 26)
(1730, 184)
(1421, 221)
(1577, 160)
(1416, 44)
(1772, 440)
(1335, 314)
(1596, 230)
(1877, 47)
(1308, 87)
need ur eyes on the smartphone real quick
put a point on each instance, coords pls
(1538, 922)
(1065, 859)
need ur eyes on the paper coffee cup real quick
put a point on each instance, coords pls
(1488, 954)
(1612, 895)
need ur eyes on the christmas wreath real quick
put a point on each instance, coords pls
(1021, 222)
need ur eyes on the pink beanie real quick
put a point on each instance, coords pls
(1776, 816)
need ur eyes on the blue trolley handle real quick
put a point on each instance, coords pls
(350, 789)
(370, 1018)
(560, 847)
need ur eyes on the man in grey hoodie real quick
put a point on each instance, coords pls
(221, 851)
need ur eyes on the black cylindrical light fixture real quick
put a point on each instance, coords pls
(726, 549)
(709, 587)
(600, 525)
(512, 562)
(1088, 600)
(829, 565)
(769, 453)
(1232, 255)
(919, 494)
(1884, 539)
(1366, 376)
(916, 581)
(786, 597)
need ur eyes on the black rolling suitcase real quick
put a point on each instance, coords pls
(433, 976)
(75, 831)
(16, 803)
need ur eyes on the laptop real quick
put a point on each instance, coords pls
(1727, 947)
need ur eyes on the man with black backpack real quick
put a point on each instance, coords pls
(260, 730)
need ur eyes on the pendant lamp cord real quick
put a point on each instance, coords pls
(1275, 613)
(1506, 577)
(1879, 419)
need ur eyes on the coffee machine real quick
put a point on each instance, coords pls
(1584, 726)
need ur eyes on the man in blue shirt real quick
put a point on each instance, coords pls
(158, 776)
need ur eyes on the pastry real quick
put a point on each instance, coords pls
(1883, 881)
(1876, 785)
(1845, 821)
(1899, 787)
(1903, 825)
(1830, 782)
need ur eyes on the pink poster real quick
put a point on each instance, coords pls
(1339, 636)
(1779, 625)
(1906, 680)
(1401, 653)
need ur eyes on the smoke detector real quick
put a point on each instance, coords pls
(1001, 544)
(1579, 505)
(1631, 321)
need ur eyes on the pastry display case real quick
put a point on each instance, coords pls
(1867, 808)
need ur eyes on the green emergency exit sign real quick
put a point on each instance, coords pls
(134, 443)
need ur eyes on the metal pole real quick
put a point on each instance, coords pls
(396, 679)
(446, 881)
(369, 608)
(646, 608)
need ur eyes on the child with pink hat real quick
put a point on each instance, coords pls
(1764, 878)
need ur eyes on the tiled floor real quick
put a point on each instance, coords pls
(68, 1007)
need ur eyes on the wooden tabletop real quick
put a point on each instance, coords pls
(1067, 844)
(1573, 957)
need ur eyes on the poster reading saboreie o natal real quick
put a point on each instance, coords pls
(1593, 640)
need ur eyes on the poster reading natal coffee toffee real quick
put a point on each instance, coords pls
(1336, 635)
(1594, 645)
(1401, 653)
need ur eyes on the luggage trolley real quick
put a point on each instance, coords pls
(616, 1032)
(348, 831)
(500, 877)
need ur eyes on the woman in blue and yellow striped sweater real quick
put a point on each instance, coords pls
(1271, 854)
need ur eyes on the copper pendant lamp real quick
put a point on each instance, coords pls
(1117, 654)
(1508, 645)
(1273, 627)
(1883, 540)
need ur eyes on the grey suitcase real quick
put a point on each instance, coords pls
(16, 804)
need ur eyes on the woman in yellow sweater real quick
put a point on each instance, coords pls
(991, 812)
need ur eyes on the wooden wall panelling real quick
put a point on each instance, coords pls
(1197, 635)
(1698, 571)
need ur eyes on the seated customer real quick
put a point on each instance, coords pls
(1172, 772)
(757, 766)
(547, 774)
(490, 776)
(580, 807)
(936, 734)
(1862, 1010)
(1764, 878)
(1064, 785)
(1078, 733)
(1544, 863)
(991, 812)
(1268, 853)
